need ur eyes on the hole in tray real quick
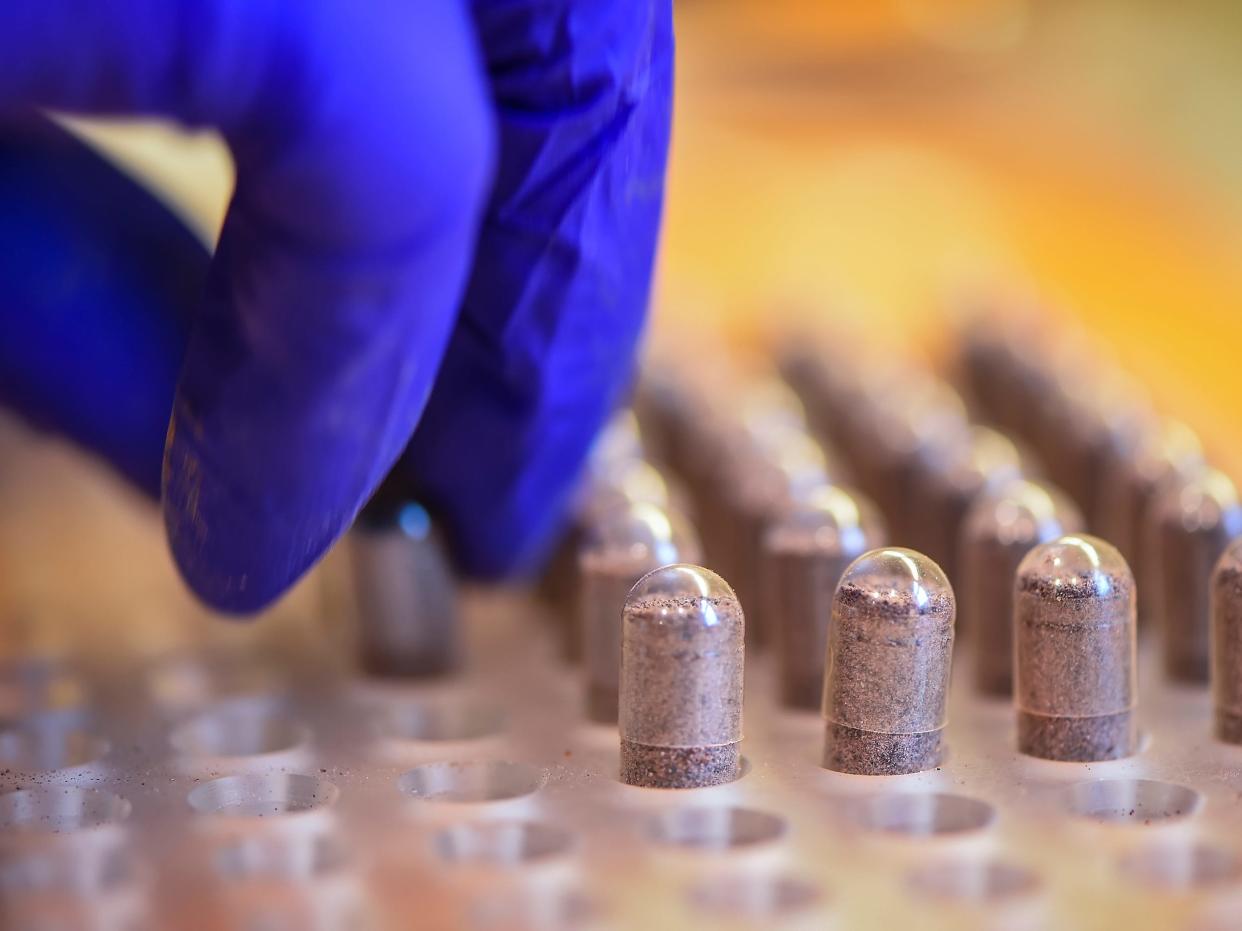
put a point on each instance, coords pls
(489, 781)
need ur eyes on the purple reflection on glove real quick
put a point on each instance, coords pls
(367, 138)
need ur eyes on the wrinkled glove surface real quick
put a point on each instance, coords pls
(437, 257)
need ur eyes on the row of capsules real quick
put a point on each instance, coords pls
(661, 638)
(1142, 480)
(803, 546)
(805, 552)
(1050, 609)
(777, 521)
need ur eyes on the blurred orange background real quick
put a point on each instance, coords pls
(873, 159)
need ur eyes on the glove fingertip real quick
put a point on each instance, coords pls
(237, 557)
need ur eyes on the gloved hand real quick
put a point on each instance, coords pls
(445, 217)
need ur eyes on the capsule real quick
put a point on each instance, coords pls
(1074, 651)
(804, 555)
(621, 550)
(682, 644)
(890, 646)
(950, 480)
(1226, 609)
(1104, 418)
(407, 622)
(762, 486)
(912, 427)
(609, 487)
(1192, 523)
(1000, 529)
(1167, 453)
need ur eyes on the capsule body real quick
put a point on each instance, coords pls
(886, 678)
(634, 540)
(682, 641)
(1074, 651)
(804, 556)
(1000, 529)
(763, 488)
(1226, 610)
(406, 601)
(1166, 453)
(951, 481)
(920, 423)
(1192, 523)
(611, 487)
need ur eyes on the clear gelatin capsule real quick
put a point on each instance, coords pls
(1106, 416)
(609, 487)
(1226, 609)
(890, 647)
(1167, 452)
(953, 478)
(924, 422)
(1192, 522)
(682, 640)
(1001, 527)
(405, 596)
(1074, 651)
(616, 553)
(804, 555)
(760, 486)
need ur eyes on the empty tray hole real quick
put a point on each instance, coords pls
(40, 748)
(32, 686)
(556, 909)
(189, 680)
(280, 858)
(76, 871)
(1182, 867)
(441, 720)
(716, 828)
(258, 796)
(502, 843)
(755, 896)
(246, 729)
(490, 781)
(1133, 801)
(923, 814)
(60, 810)
(975, 881)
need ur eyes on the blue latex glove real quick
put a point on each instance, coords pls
(445, 217)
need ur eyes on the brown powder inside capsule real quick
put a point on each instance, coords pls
(864, 753)
(681, 691)
(885, 689)
(678, 767)
(1227, 649)
(1075, 668)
